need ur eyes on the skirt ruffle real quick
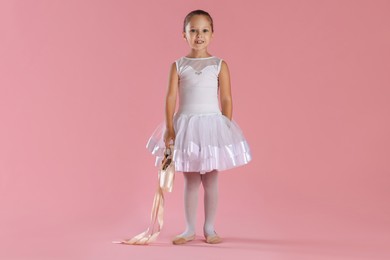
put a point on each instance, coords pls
(203, 142)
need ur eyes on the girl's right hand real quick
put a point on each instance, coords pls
(168, 136)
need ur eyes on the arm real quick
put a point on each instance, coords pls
(225, 94)
(170, 101)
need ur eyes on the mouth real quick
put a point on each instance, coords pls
(199, 42)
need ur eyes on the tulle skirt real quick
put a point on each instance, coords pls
(203, 142)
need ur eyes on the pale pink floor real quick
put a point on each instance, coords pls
(289, 231)
(95, 244)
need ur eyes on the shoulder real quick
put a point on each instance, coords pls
(174, 68)
(177, 63)
(222, 61)
(222, 66)
(179, 60)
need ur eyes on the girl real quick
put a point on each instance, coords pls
(206, 139)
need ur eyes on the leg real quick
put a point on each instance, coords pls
(191, 187)
(210, 185)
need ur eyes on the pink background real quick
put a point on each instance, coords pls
(82, 88)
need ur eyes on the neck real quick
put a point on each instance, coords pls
(198, 54)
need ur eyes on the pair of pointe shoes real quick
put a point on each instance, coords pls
(211, 239)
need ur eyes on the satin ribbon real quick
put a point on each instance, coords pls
(165, 183)
(156, 224)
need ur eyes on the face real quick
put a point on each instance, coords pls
(198, 32)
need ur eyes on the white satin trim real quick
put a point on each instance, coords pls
(204, 142)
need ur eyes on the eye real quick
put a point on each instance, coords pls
(205, 30)
(192, 30)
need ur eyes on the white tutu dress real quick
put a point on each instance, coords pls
(205, 138)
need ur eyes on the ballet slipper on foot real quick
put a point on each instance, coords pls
(213, 239)
(178, 240)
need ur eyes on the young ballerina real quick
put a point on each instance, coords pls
(206, 139)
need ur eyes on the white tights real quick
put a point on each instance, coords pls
(192, 181)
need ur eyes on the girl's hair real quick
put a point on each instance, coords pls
(197, 12)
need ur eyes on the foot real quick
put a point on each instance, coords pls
(213, 238)
(182, 239)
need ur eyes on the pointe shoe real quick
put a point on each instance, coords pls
(178, 240)
(213, 239)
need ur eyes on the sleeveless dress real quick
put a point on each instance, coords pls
(205, 139)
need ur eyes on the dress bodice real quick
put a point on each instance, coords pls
(198, 84)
